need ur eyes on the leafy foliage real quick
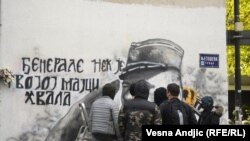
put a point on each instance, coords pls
(6, 76)
(245, 50)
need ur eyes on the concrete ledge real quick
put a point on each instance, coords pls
(245, 82)
(184, 3)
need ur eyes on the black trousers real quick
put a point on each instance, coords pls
(103, 137)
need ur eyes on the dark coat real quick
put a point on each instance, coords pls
(209, 117)
(171, 109)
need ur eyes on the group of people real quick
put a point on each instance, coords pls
(108, 122)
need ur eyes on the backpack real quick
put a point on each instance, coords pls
(176, 113)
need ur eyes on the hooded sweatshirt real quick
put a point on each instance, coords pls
(211, 116)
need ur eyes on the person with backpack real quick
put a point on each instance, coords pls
(174, 111)
(210, 114)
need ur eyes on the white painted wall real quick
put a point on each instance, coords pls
(92, 30)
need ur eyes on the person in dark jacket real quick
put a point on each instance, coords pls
(208, 116)
(138, 112)
(174, 111)
(160, 95)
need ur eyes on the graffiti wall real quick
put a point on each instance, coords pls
(62, 52)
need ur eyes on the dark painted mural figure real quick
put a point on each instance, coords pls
(158, 61)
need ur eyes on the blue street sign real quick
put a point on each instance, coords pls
(209, 60)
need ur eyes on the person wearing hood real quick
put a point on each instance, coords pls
(211, 114)
(137, 112)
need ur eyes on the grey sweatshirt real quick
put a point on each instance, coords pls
(104, 116)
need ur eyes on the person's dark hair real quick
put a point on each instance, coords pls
(132, 89)
(142, 89)
(174, 89)
(160, 95)
(108, 90)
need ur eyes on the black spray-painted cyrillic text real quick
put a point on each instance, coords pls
(120, 64)
(42, 83)
(102, 65)
(48, 97)
(51, 65)
(75, 84)
(50, 83)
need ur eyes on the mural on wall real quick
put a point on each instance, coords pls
(156, 60)
(58, 66)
